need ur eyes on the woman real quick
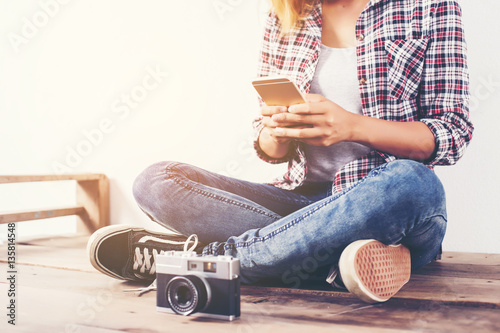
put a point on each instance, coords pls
(387, 99)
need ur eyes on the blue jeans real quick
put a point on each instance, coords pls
(291, 235)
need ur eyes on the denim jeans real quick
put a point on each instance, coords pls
(290, 235)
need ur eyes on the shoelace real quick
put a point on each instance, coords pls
(332, 277)
(143, 263)
(146, 264)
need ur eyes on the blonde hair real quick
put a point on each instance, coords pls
(291, 12)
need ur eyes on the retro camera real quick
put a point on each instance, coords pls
(190, 284)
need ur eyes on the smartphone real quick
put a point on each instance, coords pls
(278, 91)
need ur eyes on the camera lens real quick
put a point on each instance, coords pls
(187, 294)
(183, 297)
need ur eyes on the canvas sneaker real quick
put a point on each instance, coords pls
(374, 271)
(129, 253)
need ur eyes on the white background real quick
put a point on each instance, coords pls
(66, 67)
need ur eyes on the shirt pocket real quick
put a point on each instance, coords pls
(405, 59)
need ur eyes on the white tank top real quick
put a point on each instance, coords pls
(336, 79)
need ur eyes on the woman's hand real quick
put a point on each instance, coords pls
(268, 112)
(321, 122)
(318, 122)
(273, 146)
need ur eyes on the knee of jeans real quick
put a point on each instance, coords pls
(145, 182)
(419, 182)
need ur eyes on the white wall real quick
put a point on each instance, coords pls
(65, 77)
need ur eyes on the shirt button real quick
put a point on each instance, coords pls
(361, 37)
(362, 81)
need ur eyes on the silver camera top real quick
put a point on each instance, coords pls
(184, 263)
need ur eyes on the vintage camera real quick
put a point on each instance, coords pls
(189, 284)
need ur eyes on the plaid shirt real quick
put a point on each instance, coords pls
(412, 66)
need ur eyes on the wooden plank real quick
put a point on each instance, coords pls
(73, 241)
(451, 291)
(56, 300)
(52, 300)
(43, 253)
(5, 179)
(415, 315)
(460, 291)
(452, 269)
(445, 282)
(54, 276)
(19, 216)
(471, 258)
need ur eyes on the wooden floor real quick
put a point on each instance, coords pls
(58, 291)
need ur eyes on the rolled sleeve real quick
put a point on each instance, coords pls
(257, 125)
(444, 92)
(452, 134)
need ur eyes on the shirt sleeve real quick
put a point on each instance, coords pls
(265, 69)
(444, 90)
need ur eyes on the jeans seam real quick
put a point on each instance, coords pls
(179, 181)
(307, 214)
(255, 192)
(270, 196)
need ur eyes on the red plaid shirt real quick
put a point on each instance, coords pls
(412, 66)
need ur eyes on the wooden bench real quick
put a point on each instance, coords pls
(92, 196)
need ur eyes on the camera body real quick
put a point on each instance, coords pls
(190, 284)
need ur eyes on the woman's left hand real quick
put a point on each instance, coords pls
(325, 122)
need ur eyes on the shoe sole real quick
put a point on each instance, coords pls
(374, 271)
(109, 231)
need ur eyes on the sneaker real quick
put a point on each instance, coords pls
(129, 253)
(374, 271)
(334, 278)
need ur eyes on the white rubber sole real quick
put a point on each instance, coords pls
(374, 271)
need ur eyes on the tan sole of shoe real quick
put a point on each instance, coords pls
(374, 271)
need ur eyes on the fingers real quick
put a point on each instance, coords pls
(269, 122)
(292, 118)
(267, 110)
(297, 133)
(299, 115)
(313, 107)
(272, 117)
(315, 98)
(319, 121)
(268, 133)
(270, 110)
(310, 107)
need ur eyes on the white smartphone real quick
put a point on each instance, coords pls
(278, 91)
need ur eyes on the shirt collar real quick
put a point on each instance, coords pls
(314, 21)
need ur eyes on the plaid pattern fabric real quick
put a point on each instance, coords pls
(412, 66)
